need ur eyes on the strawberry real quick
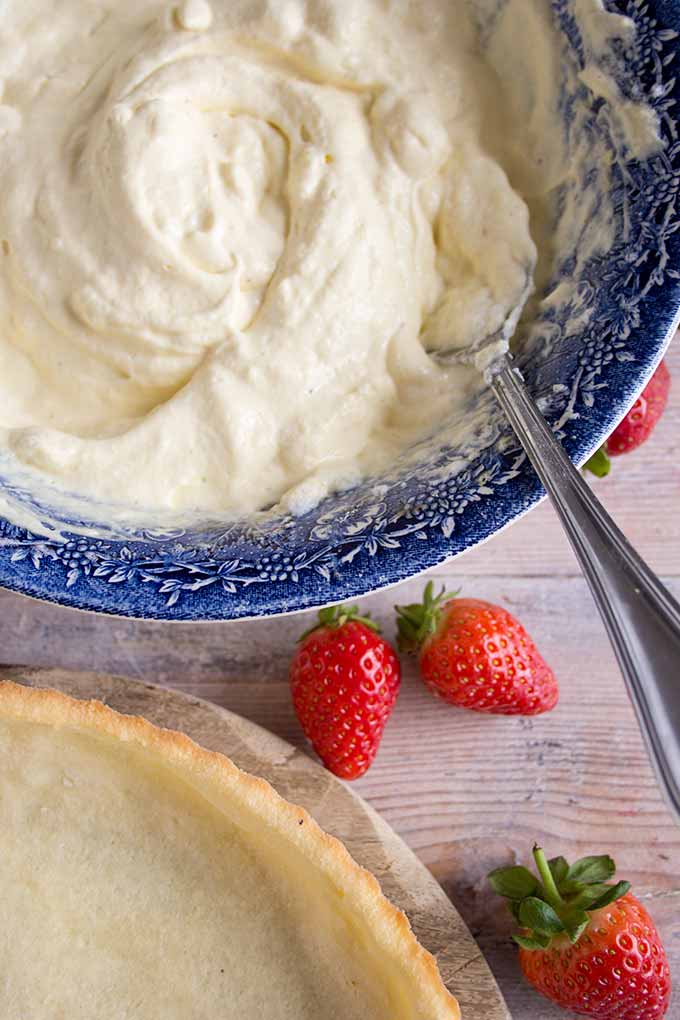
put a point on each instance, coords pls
(476, 655)
(638, 424)
(586, 944)
(344, 679)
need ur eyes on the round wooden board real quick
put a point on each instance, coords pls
(405, 881)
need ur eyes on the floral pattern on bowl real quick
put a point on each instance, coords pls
(395, 526)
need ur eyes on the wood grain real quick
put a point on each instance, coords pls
(466, 793)
(338, 809)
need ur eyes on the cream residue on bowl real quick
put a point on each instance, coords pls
(232, 232)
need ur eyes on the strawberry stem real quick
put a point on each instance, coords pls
(337, 616)
(552, 894)
(599, 464)
(562, 902)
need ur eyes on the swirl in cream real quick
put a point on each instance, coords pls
(233, 232)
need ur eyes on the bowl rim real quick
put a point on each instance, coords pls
(53, 571)
(355, 584)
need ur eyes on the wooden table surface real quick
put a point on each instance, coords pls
(467, 792)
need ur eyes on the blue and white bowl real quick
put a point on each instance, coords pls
(587, 356)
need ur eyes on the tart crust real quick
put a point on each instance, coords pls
(239, 794)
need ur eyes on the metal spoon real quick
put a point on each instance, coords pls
(641, 616)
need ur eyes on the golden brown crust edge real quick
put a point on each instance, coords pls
(390, 926)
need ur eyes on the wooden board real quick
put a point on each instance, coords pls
(405, 881)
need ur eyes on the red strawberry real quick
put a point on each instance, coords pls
(344, 679)
(589, 946)
(476, 655)
(638, 424)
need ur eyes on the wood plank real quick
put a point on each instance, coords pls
(466, 792)
(258, 651)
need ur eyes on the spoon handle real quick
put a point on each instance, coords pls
(641, 616)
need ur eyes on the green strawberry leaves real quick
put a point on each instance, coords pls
(537, 942)
(590, 869)
(419, 620)
(337, 616)
(576, 923)
(513, 883)
(540, 916)
(560, 900)
(610, 893)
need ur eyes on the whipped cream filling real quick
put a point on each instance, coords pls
(233, 234)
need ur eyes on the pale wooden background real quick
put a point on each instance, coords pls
(468, 793)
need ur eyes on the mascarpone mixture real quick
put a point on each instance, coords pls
(230, 234)
(234, 232)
